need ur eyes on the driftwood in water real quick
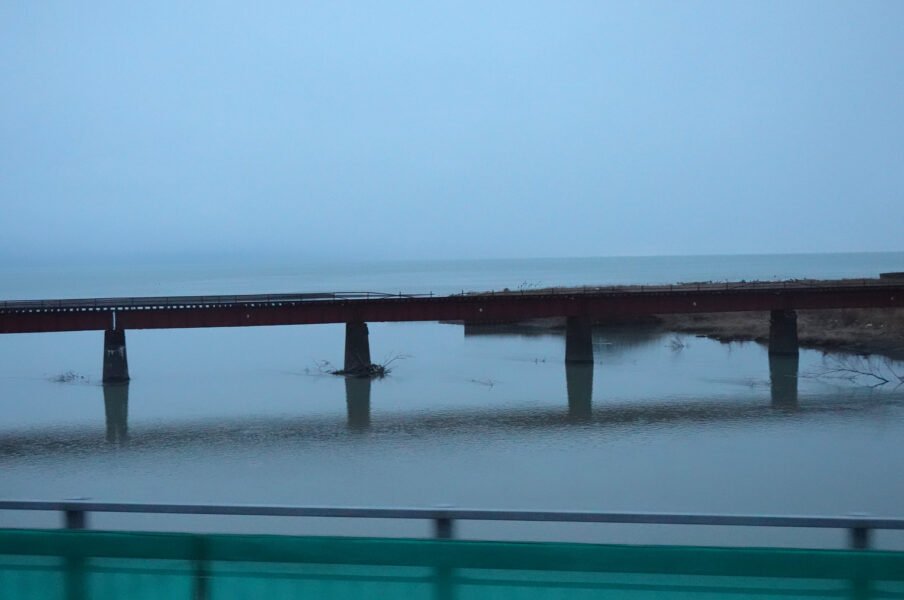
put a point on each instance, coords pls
(373, 371)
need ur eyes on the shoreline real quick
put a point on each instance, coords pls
(863, 331)
(872, 331)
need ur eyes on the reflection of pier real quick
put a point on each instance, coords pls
(783, 375)
(579, 386)
(316, 429)
(751, 410)
(116, 408)
(784, 358)
(357, 400)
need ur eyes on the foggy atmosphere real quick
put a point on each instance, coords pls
(451, 300)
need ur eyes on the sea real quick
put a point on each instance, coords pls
(466, 418)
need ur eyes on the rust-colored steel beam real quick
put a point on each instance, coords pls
(54, 321)
(239, 312)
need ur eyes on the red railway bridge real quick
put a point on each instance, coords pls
(580, 306)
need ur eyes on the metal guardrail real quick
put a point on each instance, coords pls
(251, 300)
(75, 516)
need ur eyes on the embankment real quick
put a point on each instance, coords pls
(858, 331)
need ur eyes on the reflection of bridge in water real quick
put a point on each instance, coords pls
(578, 412)
(783, 372)
(783, 367)
(783, 378)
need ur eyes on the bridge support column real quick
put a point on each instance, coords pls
(578, 340)
(357, 346)
(579, 385)
(783, 332)
(116, 365)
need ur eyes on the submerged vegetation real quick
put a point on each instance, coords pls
(370, 371)
(69, 377)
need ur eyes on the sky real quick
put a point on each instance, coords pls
(392, 130)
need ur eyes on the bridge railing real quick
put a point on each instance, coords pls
(159, 302)
(75, 516)
(253, 300)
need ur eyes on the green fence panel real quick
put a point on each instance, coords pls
(77, 565)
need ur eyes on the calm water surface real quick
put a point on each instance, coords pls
(489, 421)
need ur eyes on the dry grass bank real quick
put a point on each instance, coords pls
(862, 331)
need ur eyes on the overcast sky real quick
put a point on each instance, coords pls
(448, 130)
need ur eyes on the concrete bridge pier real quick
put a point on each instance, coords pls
(579, 385)
(357, 346)
(116, 364)
(783, 372)
(357, 399)
(783, 332)
(116, 410)
(578, 340)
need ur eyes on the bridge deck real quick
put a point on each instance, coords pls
(22, 316)
(99, 565)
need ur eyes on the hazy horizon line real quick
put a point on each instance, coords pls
(268, 259)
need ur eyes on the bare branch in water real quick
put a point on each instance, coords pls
(490, 383)
(866, 370)
(677, 344)
(372, 371)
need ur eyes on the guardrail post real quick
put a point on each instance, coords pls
(201, 570)
(443, 528)
(74, 518)
(859, 538)
(75, 577)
